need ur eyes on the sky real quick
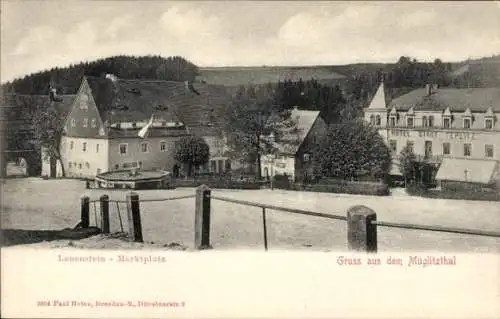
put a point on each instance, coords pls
(38, 35)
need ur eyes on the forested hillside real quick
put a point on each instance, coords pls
(68, 79)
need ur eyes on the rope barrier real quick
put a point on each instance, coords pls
(278, 208)
(168, 198)
(438, 229)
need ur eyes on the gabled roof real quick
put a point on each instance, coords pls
(136, 100)
(304, 121)
(458, 100)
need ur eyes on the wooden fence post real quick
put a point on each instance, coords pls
(104, 214)
(134, 217)
(361, 233)
(85, 212)
(202, 218)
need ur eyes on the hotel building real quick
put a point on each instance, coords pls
(456, 130)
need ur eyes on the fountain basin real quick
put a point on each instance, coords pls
(134, 180)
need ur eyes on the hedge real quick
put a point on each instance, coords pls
(338, 186)
(224, 183)
(482, 195)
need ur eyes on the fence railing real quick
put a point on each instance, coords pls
(362, 224)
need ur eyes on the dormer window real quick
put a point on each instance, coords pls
(467, 119)
(467, 123)
(447, 122)
(489, 121)
(372, 119)
(85, 122)
(409, 121)
(393, 117)
(94, 123)
(392, 120)
(488, 124)
(377, 120)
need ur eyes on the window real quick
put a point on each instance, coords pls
(87, 165)
(84, 146)
(80, 165)
(377, 120)
(85, 122)
(393, 146)
(488, 124)
(139, 163)
(409, 121)
(117, 166)
(467, 123)
(372, 120)
(71, 145)
(409, 146)
(213, 166)
(73, 122)
(428, 149)
(392, 121)
(447, 122)
(424, 121)
(306, 157)
(446, 149)
(144, 147)
(488, 151)
(123, 149)
(467, 149)
(97, 148)
(94, 123)
(431, 121)
(163, 146)
(69, 165)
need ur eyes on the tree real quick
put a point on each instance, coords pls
(48, 124)
(408, 165)
(192, 151)
(352, 149)
(254, 124)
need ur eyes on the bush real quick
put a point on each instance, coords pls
(483, 194)
(214, 182)
(281, 181)
(340, 186)
(350, 187)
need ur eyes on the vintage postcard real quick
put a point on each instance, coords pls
(183, 159)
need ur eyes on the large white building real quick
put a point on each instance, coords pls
(106, 115)
(457, 130)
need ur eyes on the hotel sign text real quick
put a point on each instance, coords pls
(432, 134)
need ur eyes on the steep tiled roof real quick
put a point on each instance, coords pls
(458, 100)
(294, 137)
(136, 100)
